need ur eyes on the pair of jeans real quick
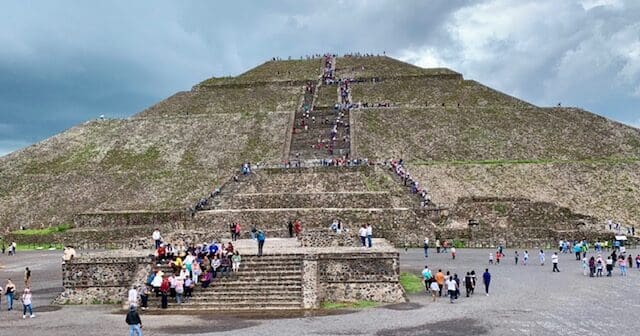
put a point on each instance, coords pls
(363, 240)
(260, 247)
(135, 330)
(369, 240)
(9, 301)
(26, 307)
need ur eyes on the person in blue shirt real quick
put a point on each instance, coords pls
(261, 238)
(486, 278)
(426, 274)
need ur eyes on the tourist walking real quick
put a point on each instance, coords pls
(541, 257)
(434, 290)
(427, 276)
(622, 264)
(554, 261)
(440, 281)
(134, 322)
(144, 296)
(468, 283)
(515, 255)
(592, 266)
(426, 247)
(235, 262)
(451, 288)
(498, 256)
(369, 234)
(486, 279)
(609, 265)
(585, 266)
(9, 293)
(473, 281)
(133, 297)
(525, 258)
(27, 304)
(490, 258)
(437, 245)
(453, 252)
(599, 266)
(261, 238)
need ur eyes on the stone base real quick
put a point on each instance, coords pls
(389, 292)
(92, 295)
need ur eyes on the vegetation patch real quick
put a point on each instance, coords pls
(44, 232)
(362, 304)
(411, 283)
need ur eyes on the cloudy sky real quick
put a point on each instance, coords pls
(63, 62)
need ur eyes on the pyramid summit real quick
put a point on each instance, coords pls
(479, 153)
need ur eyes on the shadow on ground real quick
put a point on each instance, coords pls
(455, 327)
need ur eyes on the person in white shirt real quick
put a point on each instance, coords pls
(133, 297)
(369, 234)
(157, 238)
(363, 235)
(554, 261)
(452, 287)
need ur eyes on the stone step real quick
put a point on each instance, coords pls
(252, 282)
(266, 288)
(283, 291)
(230, 307)
(252, 297)
(227, 279)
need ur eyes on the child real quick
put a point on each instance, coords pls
(498, 256)
(490, 258)
(585, 267)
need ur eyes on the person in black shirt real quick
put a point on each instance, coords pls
(134, 322)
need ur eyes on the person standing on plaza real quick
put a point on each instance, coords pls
(525, 258)
(134, 322)
(290, 228)
(369, 234)
(554, 261)
(609, 266)
(27, 277)
(486, 279)
(592, 266)
(437, 245)
(490, 258)
(9, 293)
(585, 266)
(473, 281)
(498, 256)
(541, 257)
(133, 296)
(27, 304)
(453, 252)
(426, 247)
(157, 238)
(515, 255)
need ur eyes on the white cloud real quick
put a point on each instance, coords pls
(424, 57)
(589, 4)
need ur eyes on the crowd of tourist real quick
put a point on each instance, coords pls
(398, 168)
(180, 269)
(436, 283)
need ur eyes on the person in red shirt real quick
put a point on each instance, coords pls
(297, 228)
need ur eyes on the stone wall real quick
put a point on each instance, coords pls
(88, 280)
(328, 238)
(348, 277)
(113, 219)
(309, 200)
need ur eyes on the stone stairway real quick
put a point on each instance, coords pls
(270, 282)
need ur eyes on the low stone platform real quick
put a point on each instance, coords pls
(288, 276)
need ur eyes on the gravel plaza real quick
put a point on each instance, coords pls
(524, 300)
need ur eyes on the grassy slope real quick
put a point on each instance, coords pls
(132, 164)
(491, 133)
(602, 189)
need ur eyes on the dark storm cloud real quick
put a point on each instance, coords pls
(64, 62)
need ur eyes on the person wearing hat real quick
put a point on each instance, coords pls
(134, 322)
